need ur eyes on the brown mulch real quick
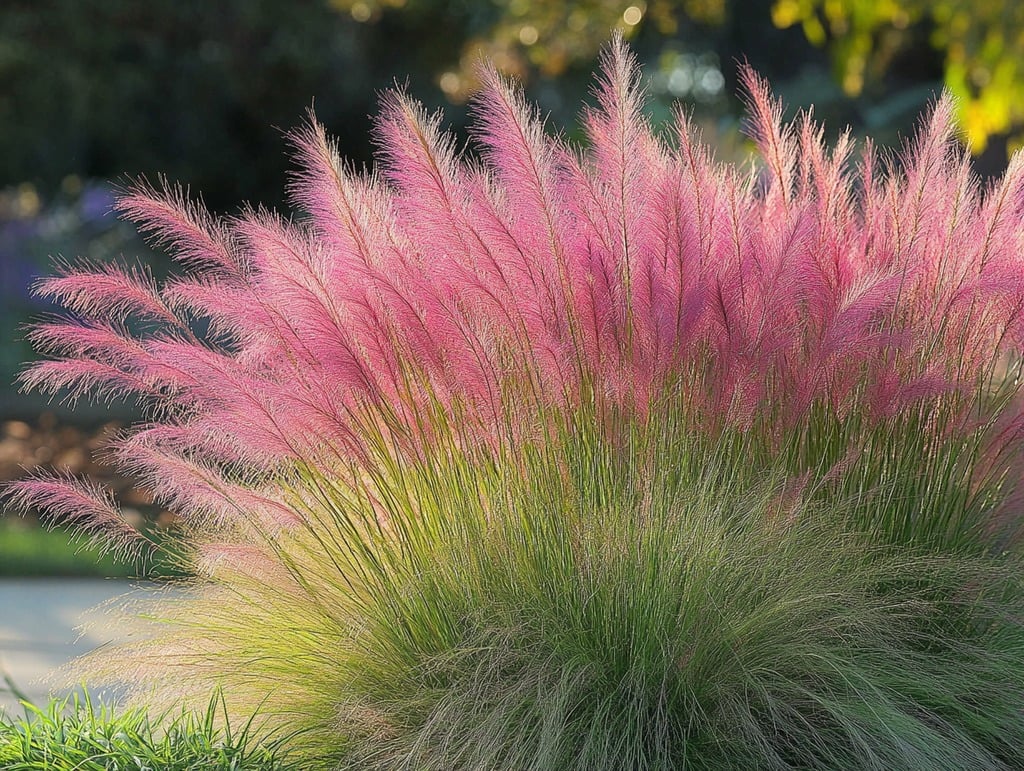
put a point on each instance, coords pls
(50, 444)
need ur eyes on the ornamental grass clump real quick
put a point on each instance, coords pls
(551, 458)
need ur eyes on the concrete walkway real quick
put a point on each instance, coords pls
(45, 623)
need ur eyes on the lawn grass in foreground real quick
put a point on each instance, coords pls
(74, 734)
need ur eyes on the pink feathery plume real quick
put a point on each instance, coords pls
(198, 491)
(527, 222)
(87, 507)
(184, 227)
(109, 290)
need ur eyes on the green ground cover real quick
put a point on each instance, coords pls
(73, 734)
(29, 550)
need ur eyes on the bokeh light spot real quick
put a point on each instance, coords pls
(361, 11)
(450, 83)
(528, 35)
(632, 15)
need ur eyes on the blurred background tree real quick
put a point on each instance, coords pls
(981, 43)
(202, 91)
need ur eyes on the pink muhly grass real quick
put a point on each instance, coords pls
(821, 306)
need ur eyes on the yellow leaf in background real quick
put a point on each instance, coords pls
(814, 31)
(786, 13)
(976, 123)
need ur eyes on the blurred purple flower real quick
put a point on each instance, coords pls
(18, 269)
(96, 204)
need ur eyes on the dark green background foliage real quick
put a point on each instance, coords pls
(198, 90)
(202, 91)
